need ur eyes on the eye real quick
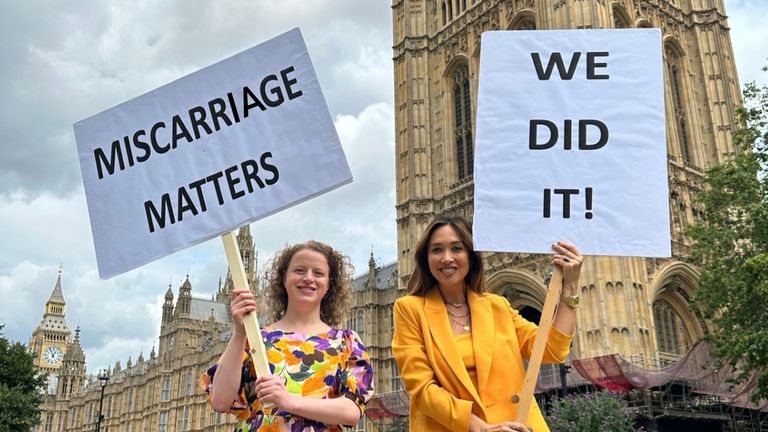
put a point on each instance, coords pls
(457, 248)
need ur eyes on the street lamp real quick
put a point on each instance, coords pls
(103, 378)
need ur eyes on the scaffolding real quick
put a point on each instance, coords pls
(691, 392)
(694, 389)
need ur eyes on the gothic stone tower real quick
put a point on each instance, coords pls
(634, 306)
(72, 372)
(51, 336)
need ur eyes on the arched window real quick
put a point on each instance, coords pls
(462, 111)
(671, 334)
(444, 11)
(676, 84)
(620, 18)
(523, 21)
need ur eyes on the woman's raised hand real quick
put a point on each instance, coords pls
(242, 302)
(569, 259)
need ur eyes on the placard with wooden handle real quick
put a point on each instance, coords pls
(534, 363)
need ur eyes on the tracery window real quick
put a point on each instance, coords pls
(676, 84)
(670, 331)
(462, 111)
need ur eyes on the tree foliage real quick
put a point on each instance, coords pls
(21, 387)
(730, 246)
(593, 412)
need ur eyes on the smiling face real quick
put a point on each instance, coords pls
(306, 279)
(448, 259)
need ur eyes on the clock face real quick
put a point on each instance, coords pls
(53, 355)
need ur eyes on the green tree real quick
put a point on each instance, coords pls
(730, 246)
(21, 387)
(593, 412)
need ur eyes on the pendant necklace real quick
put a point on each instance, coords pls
(464, 326)
(458, 316)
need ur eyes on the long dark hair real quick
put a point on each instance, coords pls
(422, 281)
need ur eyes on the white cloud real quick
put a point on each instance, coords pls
(750, 39)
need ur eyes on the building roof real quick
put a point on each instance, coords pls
(57, 296)
(202, 309)
(386, 278)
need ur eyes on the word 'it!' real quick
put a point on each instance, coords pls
(566, 194)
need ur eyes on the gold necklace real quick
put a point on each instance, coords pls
(458, 316)
(464, 326)
(456, 305)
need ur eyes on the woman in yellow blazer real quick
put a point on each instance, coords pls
(460, 350)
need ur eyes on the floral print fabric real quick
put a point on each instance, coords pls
(324, 365)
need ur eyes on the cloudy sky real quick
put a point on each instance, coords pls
(65, 61)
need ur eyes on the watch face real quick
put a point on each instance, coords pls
(53, 355)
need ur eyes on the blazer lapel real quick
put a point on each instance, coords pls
(483, 333)
(442, 336)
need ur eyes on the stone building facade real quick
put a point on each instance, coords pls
(637, 307)
(160, 392)
(634, 306)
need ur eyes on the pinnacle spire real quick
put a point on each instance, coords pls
(57, 296)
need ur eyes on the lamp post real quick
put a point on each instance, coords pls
(563, 382)
(103, 378)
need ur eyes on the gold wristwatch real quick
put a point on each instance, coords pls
(572, 301)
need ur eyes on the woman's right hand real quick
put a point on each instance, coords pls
(478, 425)
(242, 302)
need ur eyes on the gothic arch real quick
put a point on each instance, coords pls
(621, 18)
(456, 61)
(643, 23)
(523, 20)
(528, 289)
(672, 287)
(672, 42)
(674, 269)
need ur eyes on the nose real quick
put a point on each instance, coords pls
(308, 277)
(446, 257)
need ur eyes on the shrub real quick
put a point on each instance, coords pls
(594, 412)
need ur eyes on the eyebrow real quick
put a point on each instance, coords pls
(450, 244)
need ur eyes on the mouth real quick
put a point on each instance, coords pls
(306, 289)
(448, 271)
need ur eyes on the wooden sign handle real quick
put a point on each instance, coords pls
(534, 363)
(252, 330)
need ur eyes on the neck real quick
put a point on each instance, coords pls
(301, 321)
(453, 294)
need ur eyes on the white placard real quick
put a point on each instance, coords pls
(224, 146)
(571, 143)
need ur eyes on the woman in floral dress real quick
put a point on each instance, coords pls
(321, 375)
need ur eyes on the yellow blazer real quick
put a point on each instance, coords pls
(442, 394)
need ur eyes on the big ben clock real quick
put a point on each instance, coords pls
(53, 355)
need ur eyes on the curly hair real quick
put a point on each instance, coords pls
(335, 302)
(422, 280)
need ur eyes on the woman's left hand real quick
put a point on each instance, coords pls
(271, 388)
(569, 259)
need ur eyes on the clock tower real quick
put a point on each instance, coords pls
(49, 340)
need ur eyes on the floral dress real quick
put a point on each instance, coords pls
(322, 365)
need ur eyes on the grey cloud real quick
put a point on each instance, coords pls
(73, 60)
